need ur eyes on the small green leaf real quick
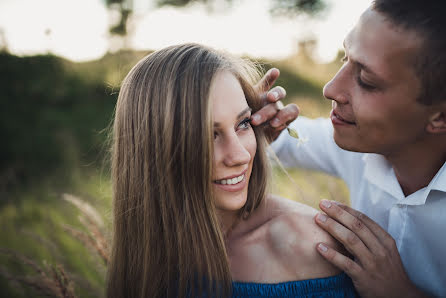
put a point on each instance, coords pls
(292, 132)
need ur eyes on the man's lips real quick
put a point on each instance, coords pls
(335, 117)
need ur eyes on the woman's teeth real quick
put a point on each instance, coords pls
(231, 181)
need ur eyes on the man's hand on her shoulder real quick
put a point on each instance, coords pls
(293, 235)
(274, 115)
(377, 269)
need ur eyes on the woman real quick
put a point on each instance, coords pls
(191, 212)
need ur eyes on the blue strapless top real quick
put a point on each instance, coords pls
(328, 287)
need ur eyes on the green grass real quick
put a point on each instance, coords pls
(32, 224)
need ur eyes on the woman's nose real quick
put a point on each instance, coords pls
(337, 88)
(236, 153)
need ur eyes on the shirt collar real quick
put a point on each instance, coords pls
(379, 172)
(439, 181)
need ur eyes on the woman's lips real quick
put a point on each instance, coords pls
(233, 187)
(232, 183)
(336, 119)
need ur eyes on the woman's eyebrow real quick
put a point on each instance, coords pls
(248, 109)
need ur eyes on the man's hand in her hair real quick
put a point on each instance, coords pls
(273, 114)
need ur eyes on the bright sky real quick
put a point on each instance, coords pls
(78, 29)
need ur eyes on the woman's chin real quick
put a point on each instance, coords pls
(231, 203)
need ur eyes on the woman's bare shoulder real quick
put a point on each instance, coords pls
(293, 236)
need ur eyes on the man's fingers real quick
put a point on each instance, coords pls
(350, 267)
(275, 94)
(375, 228)
(285, 116)
(354, 224)
(276, 115)
(267, 81)
(350, 240)
(264, 114)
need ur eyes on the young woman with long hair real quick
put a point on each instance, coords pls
(192, 213)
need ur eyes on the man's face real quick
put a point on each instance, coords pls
(374, 94)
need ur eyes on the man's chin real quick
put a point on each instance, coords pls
(349, 145)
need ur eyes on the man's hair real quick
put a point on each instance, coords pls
(428, 19)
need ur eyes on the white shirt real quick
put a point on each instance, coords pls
(417, 222)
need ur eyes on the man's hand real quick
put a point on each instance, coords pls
(273, 113)
(377, 269)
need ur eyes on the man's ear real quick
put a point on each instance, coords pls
(437, 123)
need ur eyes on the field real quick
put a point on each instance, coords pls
(55, 204)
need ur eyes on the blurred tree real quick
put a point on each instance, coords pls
(279, 7)
(50, 118)
(3, 42)
(125, 8)
(294, 7)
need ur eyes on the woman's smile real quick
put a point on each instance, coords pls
(232, 183)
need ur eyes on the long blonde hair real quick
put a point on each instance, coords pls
(167, 239)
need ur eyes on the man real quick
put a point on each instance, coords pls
(387, 140)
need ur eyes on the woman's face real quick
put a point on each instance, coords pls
(234, 142)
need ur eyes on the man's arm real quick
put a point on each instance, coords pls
(377, 269)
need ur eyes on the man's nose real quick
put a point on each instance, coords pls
(236, 153)
(337, 88)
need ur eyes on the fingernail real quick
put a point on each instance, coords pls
(322, 247)
(275, 122)
(256, 118)
(322, 217)
(326, 204)
(275, 94)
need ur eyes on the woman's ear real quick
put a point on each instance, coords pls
(437, 123)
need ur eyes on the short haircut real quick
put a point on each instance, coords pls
(427, 18)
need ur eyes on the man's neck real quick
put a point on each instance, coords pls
(417, 166)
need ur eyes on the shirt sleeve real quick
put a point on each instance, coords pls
(316, 149)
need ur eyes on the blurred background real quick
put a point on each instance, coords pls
(61, 64)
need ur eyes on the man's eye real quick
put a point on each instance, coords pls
(364, 85)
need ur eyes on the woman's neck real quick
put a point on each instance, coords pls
(228, 220)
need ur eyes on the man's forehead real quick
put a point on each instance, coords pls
(383, 47)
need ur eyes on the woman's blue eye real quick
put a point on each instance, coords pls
(245, 124)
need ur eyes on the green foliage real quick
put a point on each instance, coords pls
(297, 85)
(50, 117)
(121, 27)
(178, 3)
(279, 7)
(294, 7)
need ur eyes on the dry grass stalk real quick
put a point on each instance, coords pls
(53, 284)
(92, 221)
(101, 243)
(88, 241)
(88, 210)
